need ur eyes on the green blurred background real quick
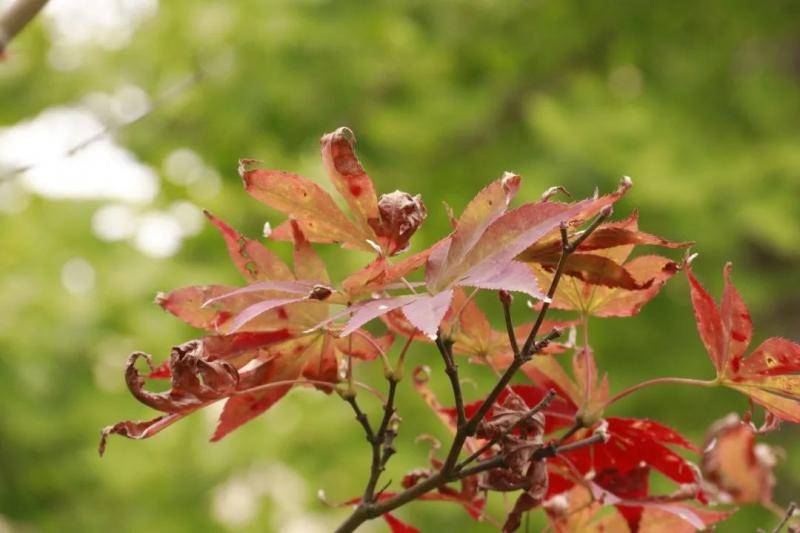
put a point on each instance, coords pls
(698, 101)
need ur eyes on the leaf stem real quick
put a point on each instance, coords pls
(657, 381)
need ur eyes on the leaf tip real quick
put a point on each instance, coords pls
(341, 134)
(246, 167)
(552, 191)
(161, 299)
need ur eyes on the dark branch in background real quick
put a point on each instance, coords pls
(450, 471)
(786, 517)
(15, 18)
(156, 103)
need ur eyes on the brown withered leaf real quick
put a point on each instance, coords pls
(400, 216)
(735, 467)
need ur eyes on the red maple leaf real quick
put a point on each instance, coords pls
(384, 225)
(603, 282)
(770, 375)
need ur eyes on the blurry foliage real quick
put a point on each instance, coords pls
(698, 102)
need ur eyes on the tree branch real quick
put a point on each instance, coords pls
(786, 517)
(360, 416)
(451, 369)
(552, 451)
(505, 299)
(16, 17)
(156, 103)
(382, 447)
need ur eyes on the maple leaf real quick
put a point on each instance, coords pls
(398, 526)
(480, 253)
(581, 510)
(735, 468)
(600, 281)
(622, 465)
(385, 224)
(588, 393)
(468, 327)
(769, 375)
(267, 346)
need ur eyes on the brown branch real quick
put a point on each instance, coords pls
(451, 369)
(553, 450)
(366, 512)
(505, 299)
(786, 517)
(16, 17)
(156, 103)
(382, 447)
(360, 416)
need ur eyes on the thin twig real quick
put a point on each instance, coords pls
(505, 299)
(157, 102)
(451, 369)
(551, 451)
(16, 17)
(379, 442)
(361, 417)
(786, 517)
(656, 381)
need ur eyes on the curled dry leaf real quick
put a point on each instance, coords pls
(195, 380)
(400, 216)
(770, 375)
(735, 467)
(268, 344)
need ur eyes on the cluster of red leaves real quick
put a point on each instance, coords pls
(616, 472)
(277, 332)
(293, 327)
